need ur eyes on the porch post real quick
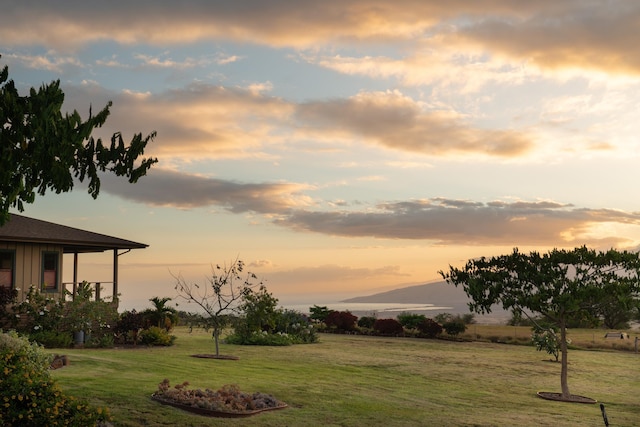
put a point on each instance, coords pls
(75, 273)
(115, 275)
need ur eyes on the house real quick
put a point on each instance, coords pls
(31, 253)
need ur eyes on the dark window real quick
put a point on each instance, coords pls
(6, 268)
(50, 271)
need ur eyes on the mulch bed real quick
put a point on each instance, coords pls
(574, 398)
(213, 356)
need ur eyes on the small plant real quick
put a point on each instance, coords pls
(156, 336)
(547, 339)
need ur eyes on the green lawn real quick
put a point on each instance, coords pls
(347, 380)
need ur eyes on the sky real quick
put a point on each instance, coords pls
(343, 148)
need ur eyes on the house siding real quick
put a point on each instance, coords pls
(28, 266)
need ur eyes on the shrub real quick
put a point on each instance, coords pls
(454, 328)
(128, 327)
(367, 321)
(297, 325)
(29, 396)
(430, 328)
(388, 327)
(342, 321)
(52, 339)
(262, 338)
(156, 336)
(410, 320)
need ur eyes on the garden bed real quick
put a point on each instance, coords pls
(227, 402)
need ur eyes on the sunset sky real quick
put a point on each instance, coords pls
(343, 148)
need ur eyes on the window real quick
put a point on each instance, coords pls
(50, 271)
(6, 268)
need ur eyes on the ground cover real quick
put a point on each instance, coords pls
(347, 380)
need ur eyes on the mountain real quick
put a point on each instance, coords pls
(440, 294)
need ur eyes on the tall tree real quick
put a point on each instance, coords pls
(43, 150)
(558, 285)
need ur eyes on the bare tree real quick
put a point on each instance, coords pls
(220, 297)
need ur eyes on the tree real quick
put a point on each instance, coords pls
(220, 297)
(43, 150)
(558, 285)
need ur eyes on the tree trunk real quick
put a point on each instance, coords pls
(216, 336)
(563, 350)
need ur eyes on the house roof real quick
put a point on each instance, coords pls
(29, 230)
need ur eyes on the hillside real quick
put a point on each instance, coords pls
(438, 294)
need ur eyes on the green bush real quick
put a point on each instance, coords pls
(29, 396)
(156, 336)
(262, 338)
(52, 339)
(454, 327)
(430, 328)
(411, 320)
(367, 321)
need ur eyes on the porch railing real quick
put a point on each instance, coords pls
(100, 289)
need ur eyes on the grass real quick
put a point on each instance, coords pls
(350, 380)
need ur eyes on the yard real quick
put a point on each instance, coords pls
(347, 380)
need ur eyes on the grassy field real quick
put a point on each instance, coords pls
(350, 380)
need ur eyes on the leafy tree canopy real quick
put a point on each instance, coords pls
(560, 285)
(43, 150)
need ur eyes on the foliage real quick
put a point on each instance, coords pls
(467, 318)
(296, 325)
(560, 285)
(454, 327)
(41, 149)
(29, 396)
(156, 336)
(546, 338)
(38, 312)
(96, 318)
(388, 327)
(258, 310)
(341, 321)
(52, 339)
(219, 298)
(229, 398)
(410, 320)
(367, 321)
(127, 328)
(263, 338)
(430, 328)
(7, 298)
(161, 315)
(319, 313)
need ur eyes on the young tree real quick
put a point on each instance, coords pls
(41, 149)
(220, 297)
(558, 285)
(161, 314)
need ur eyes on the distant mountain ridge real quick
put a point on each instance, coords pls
(441, 294)
(438, 293)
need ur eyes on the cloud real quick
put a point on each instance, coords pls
(174, 189)
(396, 121)
(447, 222)
(551, 34)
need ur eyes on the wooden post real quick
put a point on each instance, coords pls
(115, 276)
(98, 291)
(75, 274)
